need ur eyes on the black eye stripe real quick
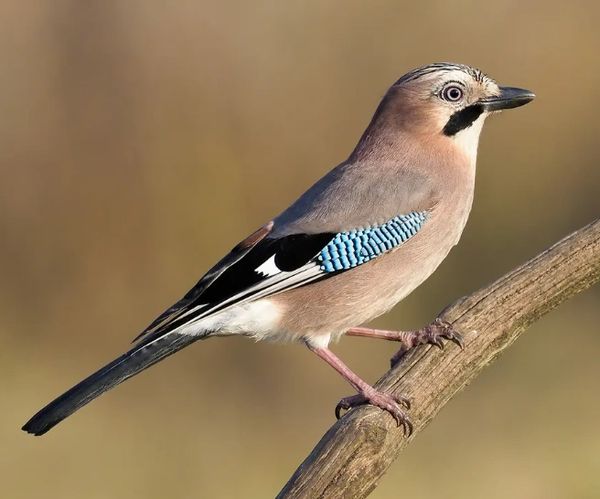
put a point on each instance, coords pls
(462, 119)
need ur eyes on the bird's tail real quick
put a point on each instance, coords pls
(129, 364)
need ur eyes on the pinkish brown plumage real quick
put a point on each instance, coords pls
(350, 248)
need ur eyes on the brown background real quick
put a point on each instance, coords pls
(140, 140)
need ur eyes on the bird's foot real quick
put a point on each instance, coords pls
(390, 403)
(433, 334)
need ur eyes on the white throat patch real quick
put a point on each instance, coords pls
(468, 139)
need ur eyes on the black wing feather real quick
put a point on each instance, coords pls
(235, 274)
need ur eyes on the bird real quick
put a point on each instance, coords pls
(347, 250)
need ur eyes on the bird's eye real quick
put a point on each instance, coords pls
(452, 93)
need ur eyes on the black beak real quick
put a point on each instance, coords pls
(509, 97)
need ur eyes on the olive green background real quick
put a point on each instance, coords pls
(140, 140)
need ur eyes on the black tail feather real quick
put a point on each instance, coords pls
(129, 364)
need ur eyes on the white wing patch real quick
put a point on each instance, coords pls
(268, 268)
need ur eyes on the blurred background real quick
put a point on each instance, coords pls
(140, 140)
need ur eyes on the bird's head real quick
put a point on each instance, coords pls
(447, 101)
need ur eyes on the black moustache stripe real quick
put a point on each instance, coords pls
(462, 119)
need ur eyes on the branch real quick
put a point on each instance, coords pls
(357, 450)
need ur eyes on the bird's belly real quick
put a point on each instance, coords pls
(259, 319)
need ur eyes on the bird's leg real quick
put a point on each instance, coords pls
(366, 393)
(433, 334)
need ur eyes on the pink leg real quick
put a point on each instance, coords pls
(433, 334)
(366, 393)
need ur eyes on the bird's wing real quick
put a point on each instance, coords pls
(183, 305)
(262, 266)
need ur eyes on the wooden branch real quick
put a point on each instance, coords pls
(357, 450)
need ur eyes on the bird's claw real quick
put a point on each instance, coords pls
(433, 334)
(442, 329)
(385, 401)
(437, 341)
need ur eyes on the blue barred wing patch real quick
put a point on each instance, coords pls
(350, 249)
